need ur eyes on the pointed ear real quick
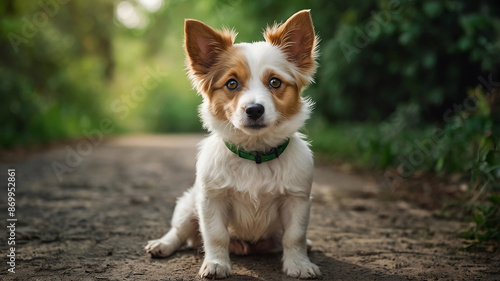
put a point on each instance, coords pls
(203, 44)
(297, 38)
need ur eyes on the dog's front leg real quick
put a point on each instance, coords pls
(213, 212)
(294, 214)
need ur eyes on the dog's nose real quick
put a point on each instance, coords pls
(254, 110)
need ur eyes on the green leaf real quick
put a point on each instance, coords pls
(495, 199)
(439, 164)
(432, 8)
(464, 43)
(478, 218)
(490, 158)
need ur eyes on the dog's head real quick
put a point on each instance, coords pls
(252, 90)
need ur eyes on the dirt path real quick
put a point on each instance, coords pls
(94, 224)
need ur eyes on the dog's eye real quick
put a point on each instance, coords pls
(275, 83)
(232, 84)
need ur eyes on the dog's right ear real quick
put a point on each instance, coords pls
(203, 44)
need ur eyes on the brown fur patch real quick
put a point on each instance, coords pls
(297, 39)
(286, 98)
(232, 64)
(288, 102)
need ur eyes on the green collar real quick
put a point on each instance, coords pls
(257, 156)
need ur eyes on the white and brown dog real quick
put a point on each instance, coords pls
(254, 170)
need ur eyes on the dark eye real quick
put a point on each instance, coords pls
(275, 83)
(232, 84)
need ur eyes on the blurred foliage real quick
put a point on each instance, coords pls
(68, 64)
(466, 142)
(426, 53)
(54, 69)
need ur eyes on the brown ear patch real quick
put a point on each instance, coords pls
(297, 39)
(203, 45)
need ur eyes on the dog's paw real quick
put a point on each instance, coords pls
(159, 248)
(303, 269)
(215, 270)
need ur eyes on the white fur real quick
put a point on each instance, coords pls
(270, 58)
(235, 198)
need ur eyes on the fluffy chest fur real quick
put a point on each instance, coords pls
(219, 168)
(253, 193)
(252, 220)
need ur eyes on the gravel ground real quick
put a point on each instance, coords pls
(95, 222)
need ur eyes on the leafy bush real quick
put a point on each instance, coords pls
(486, 220)
(467, 143)
(426, 53)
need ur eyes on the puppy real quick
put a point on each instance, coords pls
(254, 170)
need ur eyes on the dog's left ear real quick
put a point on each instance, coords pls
(297, 38)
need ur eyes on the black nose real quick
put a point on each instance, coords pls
(254, 110)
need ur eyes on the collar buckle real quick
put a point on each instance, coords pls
(258, 157)
(276, 152)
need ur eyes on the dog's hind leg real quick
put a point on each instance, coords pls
(184, 227)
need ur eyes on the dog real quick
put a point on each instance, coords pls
(254, 170)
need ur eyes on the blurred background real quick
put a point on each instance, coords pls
(403, 87)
